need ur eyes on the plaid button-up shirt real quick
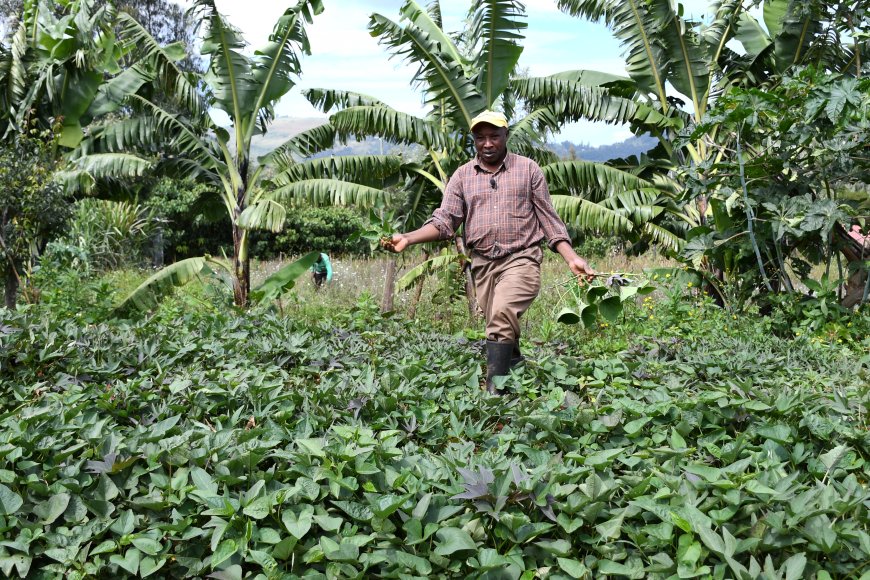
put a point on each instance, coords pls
(503, 212)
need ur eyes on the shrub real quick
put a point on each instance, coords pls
(590, 246)
(69, 291)
(32, 205)
(191, 221)
(327, 229)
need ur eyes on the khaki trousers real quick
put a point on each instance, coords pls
(506, 288)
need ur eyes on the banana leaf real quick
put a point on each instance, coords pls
(283, 280)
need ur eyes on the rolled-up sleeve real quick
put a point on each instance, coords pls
(551, 224)
(451, 214)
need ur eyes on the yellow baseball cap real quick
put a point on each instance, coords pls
(491, 117)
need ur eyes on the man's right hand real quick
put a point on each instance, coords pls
(396, 243)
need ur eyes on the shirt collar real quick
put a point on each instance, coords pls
(505, 163)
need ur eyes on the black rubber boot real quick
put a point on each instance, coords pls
(498, 361)
(517, 356)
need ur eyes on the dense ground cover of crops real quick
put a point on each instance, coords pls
(683, 442)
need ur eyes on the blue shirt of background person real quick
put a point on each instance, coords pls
(322, 270)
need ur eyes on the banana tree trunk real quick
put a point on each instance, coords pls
(389, 286)
(241, 268)
(470, 294)
(418, 292)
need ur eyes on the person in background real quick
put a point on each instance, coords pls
(504, 202)
(321, 270)
(855, 234)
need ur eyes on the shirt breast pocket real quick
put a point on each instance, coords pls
(475, 196)
(519, 202)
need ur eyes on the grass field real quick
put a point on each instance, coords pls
(356, 277)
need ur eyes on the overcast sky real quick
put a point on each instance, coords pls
(344, 55)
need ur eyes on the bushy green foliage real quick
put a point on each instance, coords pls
(194, 224)
(819, 316)
(594, 246)
(69, 291)
(77, 297)
(32, 206)
(190, 218)
(688, 443)
(306, 229)
(796, 178)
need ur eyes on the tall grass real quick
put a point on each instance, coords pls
(355, 279)
(112, 233)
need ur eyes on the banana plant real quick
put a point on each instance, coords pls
(670, 61)
(677, 67)
(56, 70)
(458, 80)
(180, 136)
(54, 65)
(464, 73)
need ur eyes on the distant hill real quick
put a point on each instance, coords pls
(621, 150)
(282, 128)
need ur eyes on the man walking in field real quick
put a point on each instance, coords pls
(503, 200)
